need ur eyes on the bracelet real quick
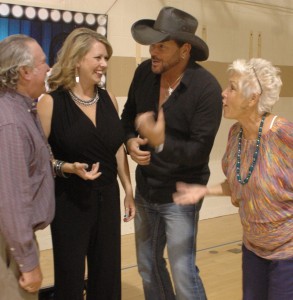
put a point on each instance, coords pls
(57, 167)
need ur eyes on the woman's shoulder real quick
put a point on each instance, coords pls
(110, 97)
(234, 129)
(60, 92)
(282, 125)
(281, 121)
(103, 92)
(60, 97)
(282, 130)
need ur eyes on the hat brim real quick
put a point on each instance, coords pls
(144, 33)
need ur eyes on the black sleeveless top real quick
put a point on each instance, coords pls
(74, 138)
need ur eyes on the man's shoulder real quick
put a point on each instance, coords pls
(12, 111)
(145, 63)
(143, 73)
(7, 112)
(200, 70)
(198, 74)
(144, 66)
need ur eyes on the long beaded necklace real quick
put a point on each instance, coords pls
(92, 101)
(255, 154)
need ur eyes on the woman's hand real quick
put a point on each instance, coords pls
(189, 193)
(80, 169)
(129, 208)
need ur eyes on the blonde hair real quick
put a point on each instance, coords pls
(258, 76)
(14, 53)
(75, 47)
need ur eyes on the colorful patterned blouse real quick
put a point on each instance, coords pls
(266, 201)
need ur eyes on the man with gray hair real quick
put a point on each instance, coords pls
(26, 179)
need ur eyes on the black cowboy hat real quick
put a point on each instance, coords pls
(171, 24)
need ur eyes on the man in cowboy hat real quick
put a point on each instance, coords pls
(171, 117)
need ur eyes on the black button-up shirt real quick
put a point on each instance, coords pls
(192, 115)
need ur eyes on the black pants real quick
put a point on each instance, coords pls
(88, 228)
(265, 279)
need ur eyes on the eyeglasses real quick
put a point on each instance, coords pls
(257, 80)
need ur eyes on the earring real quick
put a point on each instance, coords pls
(76, 78)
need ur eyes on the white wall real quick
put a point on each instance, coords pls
(227, 24)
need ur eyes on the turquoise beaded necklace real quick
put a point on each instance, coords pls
(255, 154)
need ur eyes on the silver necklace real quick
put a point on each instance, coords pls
(92, 101)
(173, 86)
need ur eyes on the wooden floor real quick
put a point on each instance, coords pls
(218, 258)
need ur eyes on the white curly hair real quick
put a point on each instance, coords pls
(258, 76)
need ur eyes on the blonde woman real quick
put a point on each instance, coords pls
(83, 128)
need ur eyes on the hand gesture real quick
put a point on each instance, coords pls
(80, 169)
(189, 193)
(151, 129)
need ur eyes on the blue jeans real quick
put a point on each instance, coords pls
(158, 225)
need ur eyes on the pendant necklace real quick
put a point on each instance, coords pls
(255, 154)
(82, 102)
(171, 87)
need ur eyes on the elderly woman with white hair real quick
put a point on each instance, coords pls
(258, 164)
